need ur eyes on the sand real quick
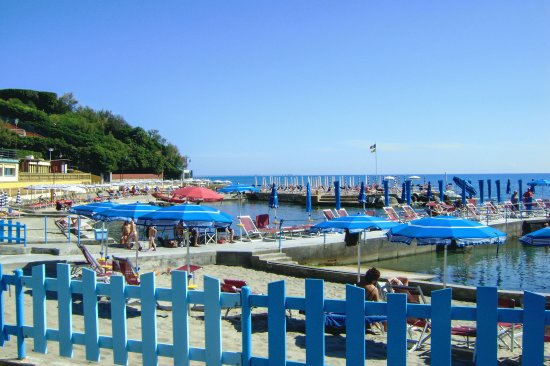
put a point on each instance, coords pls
(335, 344)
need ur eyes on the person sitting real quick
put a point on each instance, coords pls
(179, 233)
(371, 285)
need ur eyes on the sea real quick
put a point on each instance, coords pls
(512, 267)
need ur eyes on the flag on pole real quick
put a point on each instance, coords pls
(373, 148)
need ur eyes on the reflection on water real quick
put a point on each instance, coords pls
(515, 267)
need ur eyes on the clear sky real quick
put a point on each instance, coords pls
(299, 86)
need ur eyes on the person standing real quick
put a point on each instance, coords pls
(152, 234)
(134, 236)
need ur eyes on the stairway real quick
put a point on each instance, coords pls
(272, 256)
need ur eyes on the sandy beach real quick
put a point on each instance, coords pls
(335, 344)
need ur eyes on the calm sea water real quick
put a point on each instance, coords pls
(516, 267)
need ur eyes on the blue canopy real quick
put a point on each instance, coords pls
(125, 212)
(308, 197)
(274, 198)
(537, 238)
(91, 209)
(337, 195)
(191, 215)
(354, 223)
(238, 188)
(443, 230)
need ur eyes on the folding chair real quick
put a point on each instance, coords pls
(103, 272)
(508, 331)
(392, 215)
(250, 229)
(208, 236)
(415, 296)
(329, 215)
(342, 212)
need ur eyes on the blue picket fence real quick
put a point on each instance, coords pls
(11, 232)
(533, 316)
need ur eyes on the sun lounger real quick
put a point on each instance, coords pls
(392, 215)
(103, 270)
(250, 229)
(415, 296)
(342, 212)
(409, 213)
(329, 215)
(472, 212)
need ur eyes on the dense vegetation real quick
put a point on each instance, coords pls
(93, 141)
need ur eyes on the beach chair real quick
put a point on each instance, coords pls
(342, 212)
(249, 228)
(409, 213)
(392, 215)
(233, 286)
(335, 323)
(103, 271)
(329, 215)
(508, 332)
(538, 206)
(491, 210)
(124, 267)
(414, 296)
(472, 212)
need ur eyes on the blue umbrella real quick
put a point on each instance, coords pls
(362, 197)
(508, 187)
(308, 200)
(463, 195)
(274, 199)
(497, 183)
(465, 185)
(191, 215)
(337, 194)
(537, 238)
(481, 186)
(488, 190)
(520, 190)
(444, 230)
(429, 192)
(441, 191)
(386, 193)
(92, 209)
(408, 191)
(403, 192)
(354, 224)
(130, 211)
(539, 182)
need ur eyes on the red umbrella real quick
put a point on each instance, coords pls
(194, 194)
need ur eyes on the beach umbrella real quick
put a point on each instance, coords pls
(403, 192)
(18, 197)
(441, 191)
(386, 193)
(92, 209)
(191, 215)
(129, 211)
(445, 230)
(362, 197)
(355, 224)
(488, 190)
(429, 191)
(308, 200)
(337, 194)
(539, 182)
(520, 190)
(537, 238)
(408, 183)
(463, 195)
(188, 215)
(508, 187)
(3, 199)
(481, 188)
(197, 194)
(497, 184)
(274, 199)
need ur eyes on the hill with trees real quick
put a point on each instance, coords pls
(93, 141)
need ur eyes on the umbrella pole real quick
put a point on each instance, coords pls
(359, 258)
(102, 238)
(445, 267)
(187, 259)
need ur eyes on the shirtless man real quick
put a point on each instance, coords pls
(125, 235)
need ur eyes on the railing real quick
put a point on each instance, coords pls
(13, 232)
(8, 153)
(58, 178)
(533, 317)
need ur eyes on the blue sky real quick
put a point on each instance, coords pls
(303, 87)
